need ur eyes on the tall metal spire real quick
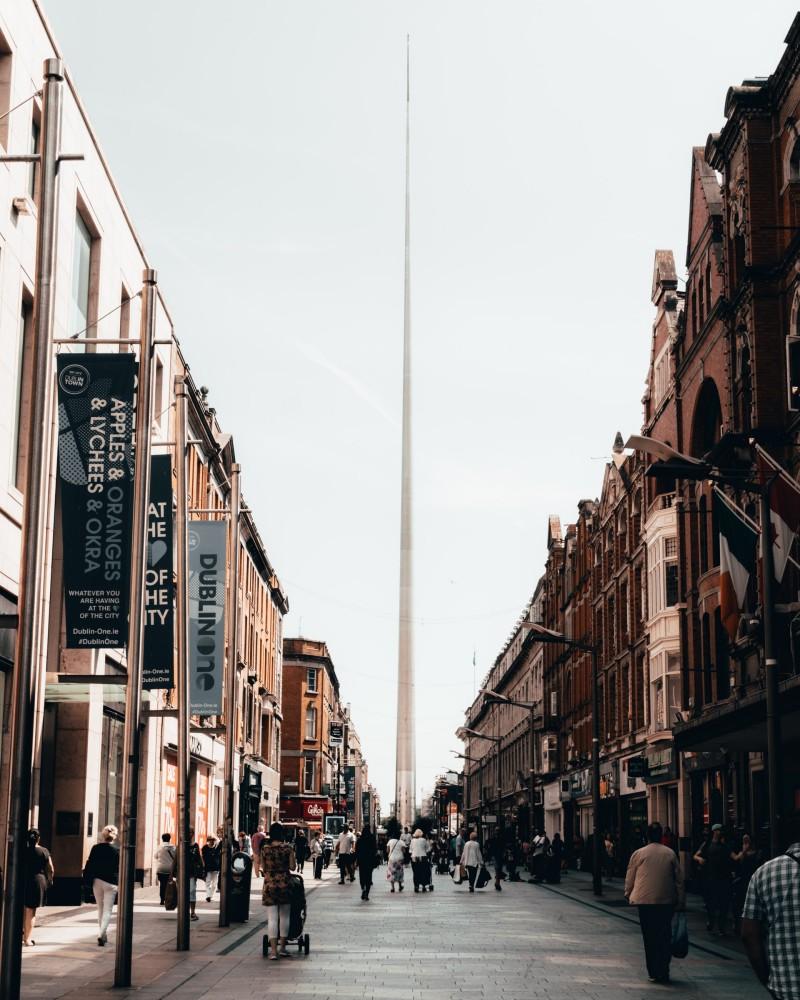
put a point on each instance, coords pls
(406, 777)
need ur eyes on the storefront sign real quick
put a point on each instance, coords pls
(169, 808)
(609, 779)
(350, 787)
(206, 615)
(336, 734)
(662, 765)
(704, 760)
(159, 594)
(95, 467)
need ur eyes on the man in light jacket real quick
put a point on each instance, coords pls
(654, 883)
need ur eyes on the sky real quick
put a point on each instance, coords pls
(259, 148)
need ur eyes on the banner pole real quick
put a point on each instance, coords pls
(33, 539)
(182, 664)
(231, 699)
(133, 694)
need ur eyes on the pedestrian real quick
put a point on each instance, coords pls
(495, 851)
(196, 871)
(670, 840)
(300, 850)
(609, 854)
(654, 883)
(395, 854)
(554, 861)
(472, 859)
(420, 863)
(327, 850)
(746, 860)
(165, 864)
(715, 860)
(771, 920)
(345, 845)
(101, 872)
(317, 858)
(38, 874)
(277, 863)
(541, 847)
(366, 855)
(245, 845)
(256, 841)
(211, 863)
(578, 847)
(458, 844)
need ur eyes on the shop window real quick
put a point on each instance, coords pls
(311, 680)
(311, 723)
(111, 755)
(5, 89)
(308, 774)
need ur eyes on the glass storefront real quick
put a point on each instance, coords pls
(111, 756)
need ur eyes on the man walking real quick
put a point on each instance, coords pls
(211, 862)
(315, 848)
(771, 922)
(654, 883)
(256, 841)
(344, 850)
(165, 861)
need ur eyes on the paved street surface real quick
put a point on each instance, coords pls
(524, 943)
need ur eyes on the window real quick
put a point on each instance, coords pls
(19, 453)
(5, 89)
(311, 723)
(671, 584)
(81, 274)
(33, 147)
(308, 774)
(662, 374)
(311, 680)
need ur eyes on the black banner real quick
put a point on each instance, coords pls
(350, 787)
(159, 595)
(95, 465)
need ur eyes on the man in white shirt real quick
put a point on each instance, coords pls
(472, 859)
(344, 852)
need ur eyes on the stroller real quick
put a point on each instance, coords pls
(297, 917)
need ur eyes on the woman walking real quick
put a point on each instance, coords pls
(395, 853)
(38, 876)
(300, 850)
(277, 863)
(472, 859)
(420, 865)
(366, 857)
(102, 874)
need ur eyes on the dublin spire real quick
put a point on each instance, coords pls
(405, 776)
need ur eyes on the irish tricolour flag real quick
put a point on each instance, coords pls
(737, 560)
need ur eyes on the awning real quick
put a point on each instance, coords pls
(741, 724)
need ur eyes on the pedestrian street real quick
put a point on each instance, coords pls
(523, 943)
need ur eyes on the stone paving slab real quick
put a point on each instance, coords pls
(524, 943)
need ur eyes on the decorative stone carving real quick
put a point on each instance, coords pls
(737, 200)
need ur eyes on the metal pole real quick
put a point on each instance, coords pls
(133, 693)
(32, 546)
(597, 881)
(771, 671)
(531, 778)
(231, 693)
(182, 663)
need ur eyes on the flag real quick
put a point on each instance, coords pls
(784, 508)
(737, 561)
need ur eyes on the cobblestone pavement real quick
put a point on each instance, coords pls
(522, 943)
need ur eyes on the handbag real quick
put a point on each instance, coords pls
(482, 878)
(171, 895)
(457, 874)
(680, 935)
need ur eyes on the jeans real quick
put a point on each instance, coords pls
(718, 899)
(163, 881)
(318, 859)
(212, 880)
(278, 921)
(656, 923)
(472, 874)
(105, 894)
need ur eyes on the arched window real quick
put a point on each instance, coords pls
(794, 162)
(707, 422)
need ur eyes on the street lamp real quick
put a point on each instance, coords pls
(495, 697)
(548, 636)
(672, 464)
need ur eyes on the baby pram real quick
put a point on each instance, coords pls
(297, 917)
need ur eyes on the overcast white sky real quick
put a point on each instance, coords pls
(259, 147)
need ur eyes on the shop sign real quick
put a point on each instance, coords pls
(350, 787)
(703, 760)
(609, 779)
(159, 592)
(552, 796)
(207, 545)
(336, 734)
(632, 774)
(661, 765)
(95, 469)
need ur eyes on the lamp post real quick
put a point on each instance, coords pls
(673, 464)
(464, 731)
(546, 635)
(501, 699)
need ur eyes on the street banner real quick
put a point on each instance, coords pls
(350, 787)
(365, 817)
(336, 734)
(95, 467)
(207, 545)
(159, 595)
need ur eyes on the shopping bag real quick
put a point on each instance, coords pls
(171, 895)
(483, 877)
(457, 874)
(680, 936)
